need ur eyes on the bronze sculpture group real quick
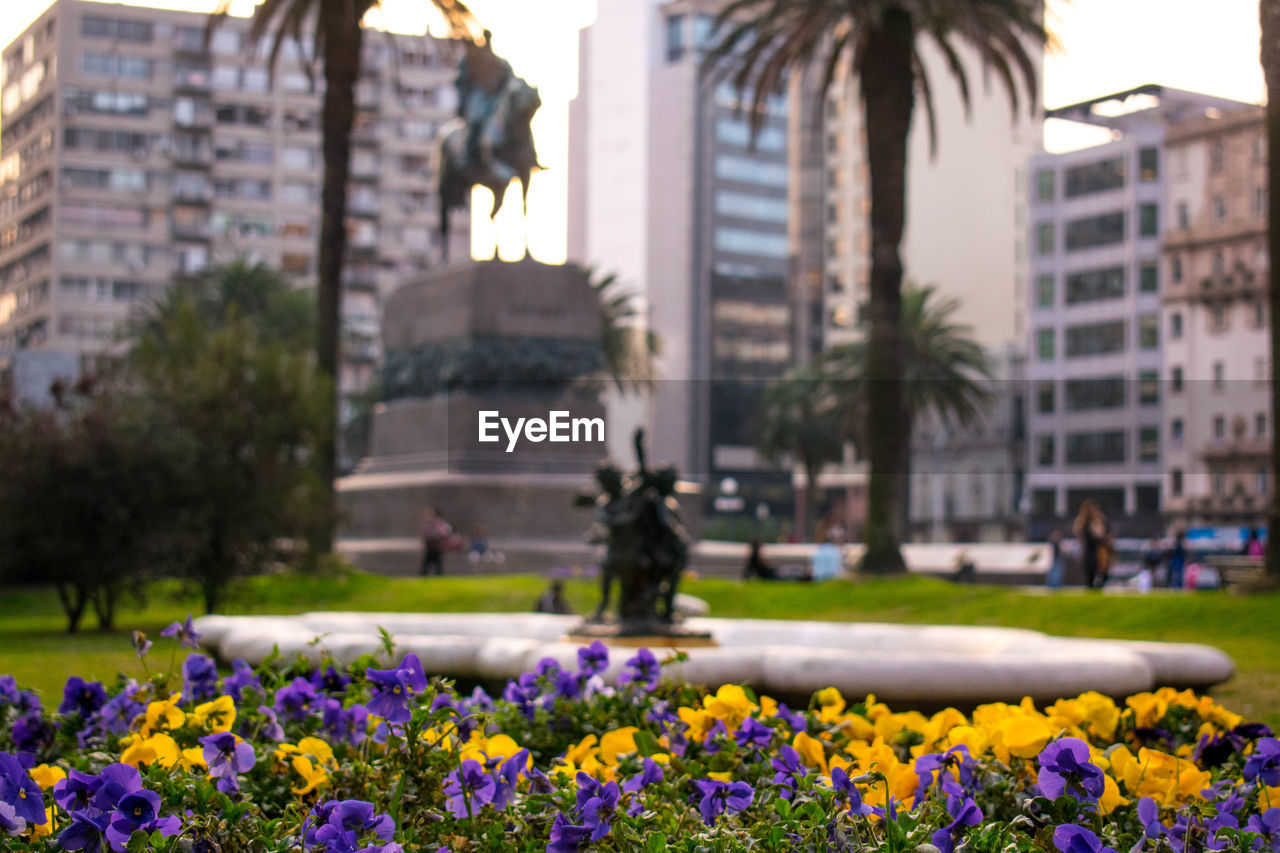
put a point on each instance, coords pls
(646, 546)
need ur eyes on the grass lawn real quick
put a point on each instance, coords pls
(35, 648)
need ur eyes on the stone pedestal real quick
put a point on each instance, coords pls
(513, 338)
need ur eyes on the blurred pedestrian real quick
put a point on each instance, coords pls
(435, 538)
(1177, 560)
(552, 600)
(755, 566)
(1095, 543)
(1055, 567)
(1253, 546)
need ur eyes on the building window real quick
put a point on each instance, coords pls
(1175, 482)
(1149, 387)
(1218, 155)
(1175, 380)
(1219, 485)
(1106, 229)
(1096, 177)
(751, 171)
(1148, 444)
(675, 38)
(1044, 238)
(1148, 164)
(1260, 314)
(1148, 220)
(1046, 396)
(1146, 498)
(1260, 202)
(1095, 339)
(1218, 319)
(1099, 392)
(1176, 428)
(1044, 502)
(1045, 348)
(1260, 425)
(1184, 218)
(1094, 285)
(1149, 331)
(1260, 481)
(1044, 291)
(1219, 375)
(1045, 184)
(1219, 210)
(1095, 448)
(1175, 325)
(1176, 269)
(1219, 427)
(1149, 278)
(1046, 453)
(743, 242)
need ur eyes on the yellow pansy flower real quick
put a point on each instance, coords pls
(830, 704)
(163, 715)
(811, 750)
(1148, 708)
(725, 776)
(616, 743)
(1022, 736)
(46, 776)
(1111, 798)
(730, 705)
(214, 717)
(699, 723)
(46, 829)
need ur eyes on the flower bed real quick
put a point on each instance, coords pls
(285, 758)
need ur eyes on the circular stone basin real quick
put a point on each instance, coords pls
(920, 664)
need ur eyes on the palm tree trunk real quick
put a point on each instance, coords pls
(1269, 17)
(812, 497)
(887, 83)
(341, 70)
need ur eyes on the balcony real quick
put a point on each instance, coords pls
(197, 231)
(1236, 505)
(193, 195)
(197, 156)
(1237, 448)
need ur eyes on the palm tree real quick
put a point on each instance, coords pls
(628, 349)
(336, 34)
(798, 415)
(1269, 17)
(877, 42)
(942, 373)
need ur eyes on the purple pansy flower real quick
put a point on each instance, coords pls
(1065, 768)
(295, 701)
(468, 788)
(199, 678)
(75, 792)
(789, 767)
(597, 812)
(1073, 838)
(1264, 763)
(719, 797)
(345, 724)
(242, 678)
(565, 836)
(331, 681)
(139, 810)
(141, 645)
(847, 791)
(642, 669)
(393, 687)
(964, 812)
(20, 791)
(184, 631)
(354, 825)
(8, 690)
(651, 773)
(84, 697)
(118, 781)
(84, 832)
(1267, 825)
(753, 734)
(227, 757)
(593, 659)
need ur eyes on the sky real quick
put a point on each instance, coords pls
(1208, 46)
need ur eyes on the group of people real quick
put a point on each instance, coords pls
(438, 537)
(1173, 564)
(825, 562)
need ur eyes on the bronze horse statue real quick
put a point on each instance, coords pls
(507, 151)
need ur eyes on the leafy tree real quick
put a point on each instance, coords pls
(254, 410)
(799, 415)
(87, 489)
(336, 34)
(943, 370)
(877, 42)
(628, 349)
(1269, 16)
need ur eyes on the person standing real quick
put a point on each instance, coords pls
(1055, 568)
(1177, 560)
(1095, 548)
(435, 536)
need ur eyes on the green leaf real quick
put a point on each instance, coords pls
(656, 843)
(647, 744)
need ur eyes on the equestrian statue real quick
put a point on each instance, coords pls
(490, 142)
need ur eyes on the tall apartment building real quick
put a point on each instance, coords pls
(1216, 436)
(1094, 360)
(132, 153)
(669, 192)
